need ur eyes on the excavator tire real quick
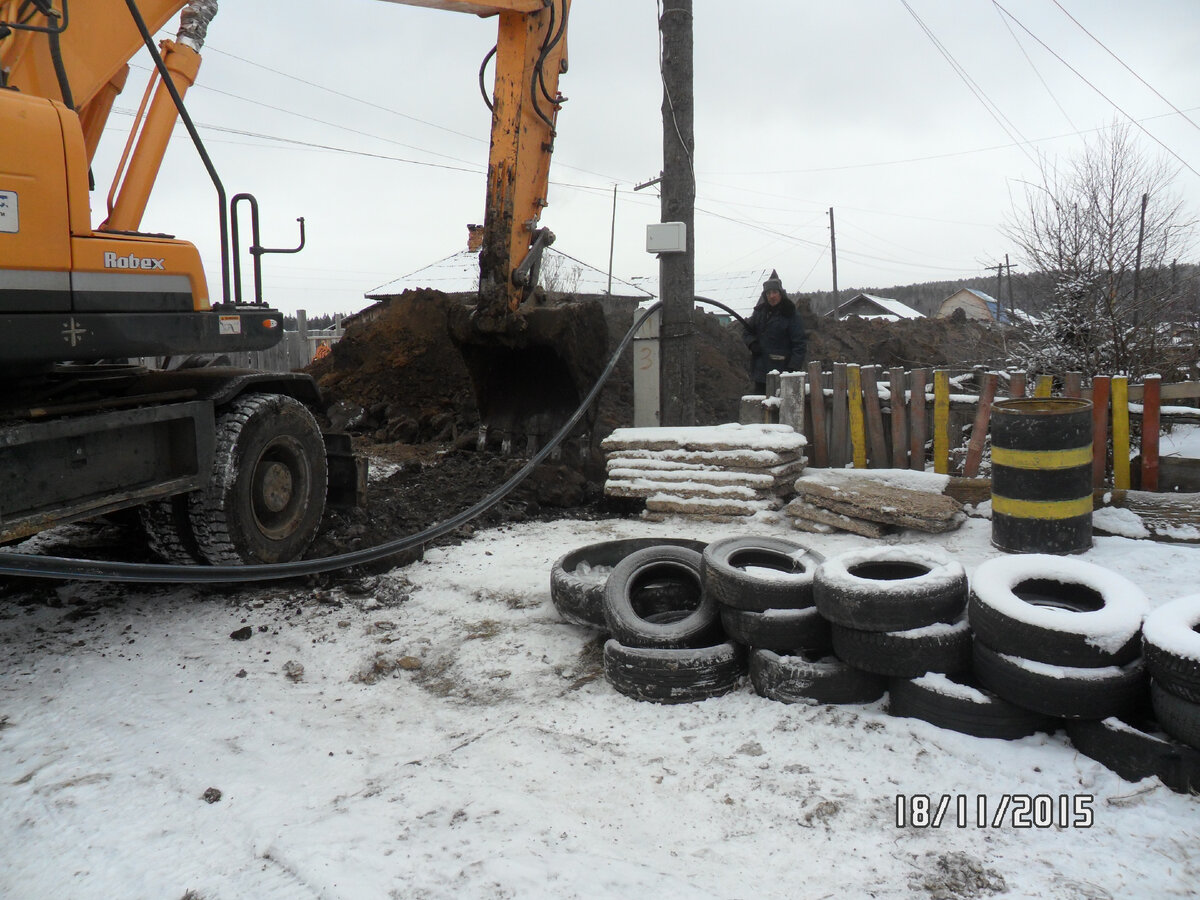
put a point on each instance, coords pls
(264, 500)
(168, 531)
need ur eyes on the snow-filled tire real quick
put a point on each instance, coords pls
(628, 624)
(1061, 691)
(580, 601)
(725, 573)
(664, 675)
(1136, 748)
(1179, 718)
(780, 630)
(266, 494)
(804, 679)
(1062, 612)
(890, 588)
(959, 704)
(1171, 645)
(906, 654)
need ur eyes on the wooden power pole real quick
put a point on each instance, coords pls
(833, 256)
(677, 271)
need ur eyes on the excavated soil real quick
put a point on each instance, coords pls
(400, 385)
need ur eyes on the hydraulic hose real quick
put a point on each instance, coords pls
(31, 566)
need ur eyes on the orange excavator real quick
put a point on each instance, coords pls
(224, 464)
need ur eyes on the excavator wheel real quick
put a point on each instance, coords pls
(264, 500)
(168, 531)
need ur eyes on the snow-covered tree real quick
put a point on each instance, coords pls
(1111, 294)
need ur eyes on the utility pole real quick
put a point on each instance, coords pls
(677, 272)
(1137, 265)
(612, 239)
(833, 254)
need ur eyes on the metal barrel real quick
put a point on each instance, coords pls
(1042, 475)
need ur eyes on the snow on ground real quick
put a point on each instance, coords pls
(448, 737)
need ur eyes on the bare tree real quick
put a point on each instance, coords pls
(1110, 295)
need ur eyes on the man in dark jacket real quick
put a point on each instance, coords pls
(774, 334)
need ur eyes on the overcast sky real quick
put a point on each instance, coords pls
(370, 124)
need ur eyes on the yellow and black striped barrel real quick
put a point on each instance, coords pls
(1042, 475)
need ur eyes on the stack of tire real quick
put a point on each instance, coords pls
(897, 616)
(1163, 741)
(665, 644)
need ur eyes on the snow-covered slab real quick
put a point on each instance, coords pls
(781, 439)
(643, 487)
(751, 480)
(707, 506)
(910, 479)
(783, 473)
(1162, 517)
(882, 503)
(799, 509)
(746, 459)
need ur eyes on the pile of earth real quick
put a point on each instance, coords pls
(399, 384)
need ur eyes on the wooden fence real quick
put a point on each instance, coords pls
(872, 418)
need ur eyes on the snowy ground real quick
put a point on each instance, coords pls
(441, 734)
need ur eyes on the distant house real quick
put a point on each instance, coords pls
(868, 306)
(981, 307)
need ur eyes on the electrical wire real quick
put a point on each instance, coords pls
(1107, 99)
(1126, 67)
(973, 87)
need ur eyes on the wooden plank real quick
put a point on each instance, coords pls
(1167, 517)
(1120, 431)
(1183, 390)
(941, 421)
(1152, 385)
(838, 416)
(979, 430)
(854, 399)
(1044, 386)
(1100, 391)
(918, 423)
(818, 440)
(876, 445)
(1073, 385)
(1016, 385)
(899, 419)
(791, 400)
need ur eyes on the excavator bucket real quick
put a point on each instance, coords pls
(531, 370)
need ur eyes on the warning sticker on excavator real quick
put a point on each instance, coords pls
(231, 325)
(8, 212)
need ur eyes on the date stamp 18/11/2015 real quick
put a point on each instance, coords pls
(1006, 810)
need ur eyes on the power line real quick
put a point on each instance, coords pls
(1126, 67)
(1110, 101)
(1029, 60)
(979, 93)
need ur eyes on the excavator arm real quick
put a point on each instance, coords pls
(531, 52)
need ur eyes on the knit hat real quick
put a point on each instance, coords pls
(773, 283)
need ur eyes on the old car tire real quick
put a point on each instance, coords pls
(1171, 645)
(665, 675)
(780, 630)
(760, 573)
(906, 654)
(168, 531)
(958, 704)
(266, 494)
(1135, 748)
(1061, 691)
(1062, 612)
(628, 624)
(890, 588)
(579, 599)
(805, 679)
(1179, 718)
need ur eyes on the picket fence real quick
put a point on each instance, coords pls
(909, 419)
